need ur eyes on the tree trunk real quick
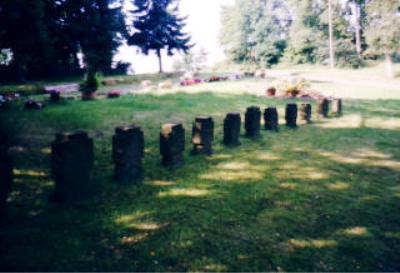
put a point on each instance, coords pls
(389, 65)
(357, 27)
(159, 61)
(331, 49)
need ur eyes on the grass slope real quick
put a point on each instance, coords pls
(323, 197)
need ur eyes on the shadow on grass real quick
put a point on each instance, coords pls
(313, 199)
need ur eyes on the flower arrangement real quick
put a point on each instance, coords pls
(292, 87)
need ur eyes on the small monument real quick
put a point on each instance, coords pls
(128, 152)
(291, 115)
(306, 112)
(203, 135)
(337, 107)
(271, 119)
(253, 122)
(172, 145)
(323, 108)
(232, 125)
(71, 164)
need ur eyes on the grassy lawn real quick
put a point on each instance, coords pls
(323, 197)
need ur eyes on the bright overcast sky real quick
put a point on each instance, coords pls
(203, 24)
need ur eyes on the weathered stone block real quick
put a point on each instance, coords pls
(291, 115)
(203, 135)
(128, 152)
(323, 108)
(306, 112)
(337, 107)
(71, 163)
(253, 122)
(271, 119)
(232, 125)
(172, 145)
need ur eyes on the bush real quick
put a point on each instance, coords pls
(91, 84)
(23, 90)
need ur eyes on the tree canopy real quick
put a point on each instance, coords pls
(157, 26)
(264, 32)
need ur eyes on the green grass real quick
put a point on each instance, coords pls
(323, 197)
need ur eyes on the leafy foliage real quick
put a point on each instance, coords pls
(54, 32)
(254, 31)
(158, 26)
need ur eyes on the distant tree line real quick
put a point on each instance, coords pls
(44, 39)
(266, 32)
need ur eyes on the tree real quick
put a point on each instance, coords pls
(383, 32)
(23, 30)
(254, 32)
(97, 28)
(331, 46)
(158, 26)
(45, 36)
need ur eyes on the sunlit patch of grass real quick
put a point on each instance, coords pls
(215, 267)
(383, 123)
(188, 192)
(219, 157)
(32, 173)
(338, 186)
(312, 243)
(161, 183)
(347, 121)
(233, 176)
(364, 156)
(134, 239)
(146, 226)
(298, 172)
(266, 156)
(129, 218)
(287, 186)
(355, 232)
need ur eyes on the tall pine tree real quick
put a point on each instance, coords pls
(157, 26)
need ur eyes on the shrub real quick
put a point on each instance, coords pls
(24, 90)
(91, 84)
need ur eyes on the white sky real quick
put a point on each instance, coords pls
(203, 24)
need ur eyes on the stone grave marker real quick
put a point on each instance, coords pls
(172, 145)
(128, 152)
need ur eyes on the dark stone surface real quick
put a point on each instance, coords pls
(128, 152)
(232, 125)
(291, 115)
(172, 145)
(203, 135)
(6, 179)
(271, 119)
(323, 108)
(337, 107)
(306, 112)
(253, 122)
(71, 164)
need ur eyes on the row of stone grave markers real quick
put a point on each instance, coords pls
(72, 155)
